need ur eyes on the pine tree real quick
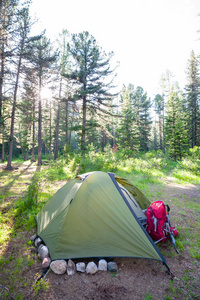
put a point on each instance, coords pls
(159, 108)
(63, 96)
(21, 32)
(192, 101)
(90, 71)
(142, 105)
(42, 58)
(176, 125)
(128, 133)
(8, 10)
(165, 84)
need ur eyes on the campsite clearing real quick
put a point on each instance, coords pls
(136, 279)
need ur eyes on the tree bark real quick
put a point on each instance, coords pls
(50, 135)
(83, 125)
(66, 121)
(163, 125)
(160, 131)
(33, 137)
(9, 166)
(57, 132)
(58, 123)
(1, 84)
(3, 147)
(40, 125)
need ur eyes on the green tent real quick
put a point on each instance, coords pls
(96, 214)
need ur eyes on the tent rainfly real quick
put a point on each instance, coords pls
(97, 214)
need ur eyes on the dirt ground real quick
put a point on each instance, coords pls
(136, 279)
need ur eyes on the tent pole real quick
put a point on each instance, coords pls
(169, 271)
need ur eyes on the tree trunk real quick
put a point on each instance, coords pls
(26, 158)
(1, 100)
(33, 137)
(50, 136)
(57, 132)
(57, 123)
(9, 167)
(1, 84)
(66, 121)
(2, 58)
(40, 125)
(20, 141)
(160, 131)
(3, 149)
(163, 125)
(83, 126)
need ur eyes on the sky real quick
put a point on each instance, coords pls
(148, 37)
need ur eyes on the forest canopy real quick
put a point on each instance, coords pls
(61, 97)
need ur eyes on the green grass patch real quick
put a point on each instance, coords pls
(19, 207)
(186, 176)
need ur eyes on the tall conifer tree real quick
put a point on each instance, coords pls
(193, 100)
(90, 74)
(176, 125)
(128, 133)
(42, 57)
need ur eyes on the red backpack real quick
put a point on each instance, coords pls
(158, 225)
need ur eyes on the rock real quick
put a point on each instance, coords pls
(41, 245)
(43, 252)
(112, 266)
(102, 265)
(80, 267)
(71, 268)
(33, 237)
(38, 241)
(46, 262)
(59, 266)
(91, 268)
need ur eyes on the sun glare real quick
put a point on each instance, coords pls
(46, 93)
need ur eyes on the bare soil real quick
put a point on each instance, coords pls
(136, 278)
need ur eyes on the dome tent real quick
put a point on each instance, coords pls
(97, 214)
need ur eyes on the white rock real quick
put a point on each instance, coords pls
(38, 241)
(41, 245)
(91, 268)
(71, 268)
(59, 266)
(102, 265)
(80, 267)
(33, 237)
(46, 262)
(43, 252)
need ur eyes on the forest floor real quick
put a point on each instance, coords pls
(136, 279)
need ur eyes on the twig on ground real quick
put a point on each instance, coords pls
(3, 287)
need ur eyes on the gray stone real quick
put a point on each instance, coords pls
(46, 262)
(112, 266)
(41, 245)
(71, 268)
(80, 267)
(91, 268)
(102, 265)
(43, 252)
(59, 266)
(38, 241)
(33, 237)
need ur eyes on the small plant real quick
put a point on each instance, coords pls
(40, 286)
(148, 297)
(30, 262)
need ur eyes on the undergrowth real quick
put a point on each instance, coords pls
(145, 171)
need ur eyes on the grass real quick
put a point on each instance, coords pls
(23, 194)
